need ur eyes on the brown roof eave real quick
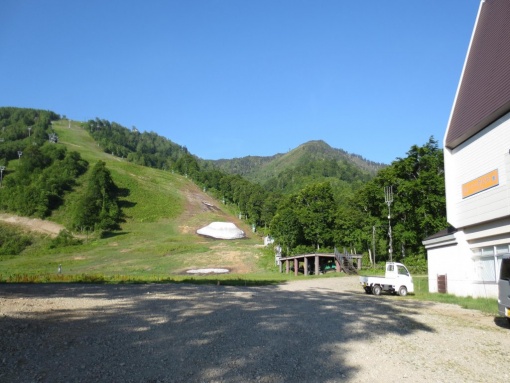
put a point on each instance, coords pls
(452, 143)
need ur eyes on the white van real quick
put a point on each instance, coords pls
(504, 288)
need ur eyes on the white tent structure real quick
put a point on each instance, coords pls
(222, 230)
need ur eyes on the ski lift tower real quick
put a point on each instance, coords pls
(388, 198)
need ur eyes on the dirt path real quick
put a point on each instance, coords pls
(321, 330)
(33, 224)
(237, 259)
(197, 203)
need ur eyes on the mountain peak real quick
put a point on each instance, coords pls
(262, 169)
(315, 144)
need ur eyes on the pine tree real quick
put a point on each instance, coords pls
(98, 208)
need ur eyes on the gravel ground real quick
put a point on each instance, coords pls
(321, 330)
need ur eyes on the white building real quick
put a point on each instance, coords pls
(477, 164)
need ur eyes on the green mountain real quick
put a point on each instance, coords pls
(161, 209)
(314, 161)
(311, 162)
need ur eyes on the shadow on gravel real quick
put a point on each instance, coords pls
(189, 333)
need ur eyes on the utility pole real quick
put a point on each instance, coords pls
(388, 198)
(373, 244)
(2, 168)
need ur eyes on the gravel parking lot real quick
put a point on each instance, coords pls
(320, 330)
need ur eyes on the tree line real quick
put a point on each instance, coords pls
(146, 148)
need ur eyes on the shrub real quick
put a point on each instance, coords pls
(64, 238)
(303, 249)
(12, 242)
(417, 264)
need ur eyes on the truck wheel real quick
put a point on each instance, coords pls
(402, 291)
(376, 290)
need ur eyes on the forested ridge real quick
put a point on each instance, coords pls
(142, 148)
(38, 174)
(313, 161)
(317, 203)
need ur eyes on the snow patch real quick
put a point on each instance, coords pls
(222, 230)
(208, 271)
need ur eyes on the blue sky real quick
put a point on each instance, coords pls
(231, 78)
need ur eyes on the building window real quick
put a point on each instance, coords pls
(485, 269)
(487, 262)
(502, 249)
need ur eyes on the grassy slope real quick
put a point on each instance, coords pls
(158, 237)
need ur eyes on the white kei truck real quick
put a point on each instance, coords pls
(397, 279)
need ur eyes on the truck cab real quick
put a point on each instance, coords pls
(396, 270)
(504, 288)
(397, 279)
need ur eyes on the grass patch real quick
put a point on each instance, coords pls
(260, 279)
(421, 287)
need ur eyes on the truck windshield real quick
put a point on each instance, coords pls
(505, 269)
(402, 271)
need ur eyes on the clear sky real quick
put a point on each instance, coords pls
(231, 78)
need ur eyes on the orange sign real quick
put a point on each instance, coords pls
(480, 184)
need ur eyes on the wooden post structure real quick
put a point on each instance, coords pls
(337, 265)
(305, 259)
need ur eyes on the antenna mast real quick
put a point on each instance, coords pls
(388, 198)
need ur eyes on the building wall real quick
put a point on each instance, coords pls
(482, 219)
(456, 262)
(439, 260)
(481, 154)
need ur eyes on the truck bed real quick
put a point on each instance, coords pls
(377, 280)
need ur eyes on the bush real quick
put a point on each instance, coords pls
(416, 264)
(303, 249)
(64, 238)
(12, 242)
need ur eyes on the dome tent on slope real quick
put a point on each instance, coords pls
(222, 230)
